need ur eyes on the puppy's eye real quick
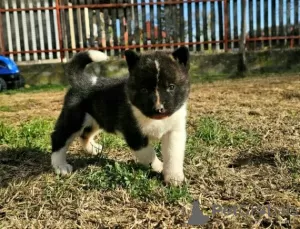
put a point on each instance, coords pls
(144, 90)
(171, 87)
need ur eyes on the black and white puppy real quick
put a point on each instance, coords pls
(149, 104)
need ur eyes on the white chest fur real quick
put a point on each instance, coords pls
(155, 129)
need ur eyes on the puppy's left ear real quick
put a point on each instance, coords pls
(182, 55)
(131, 58)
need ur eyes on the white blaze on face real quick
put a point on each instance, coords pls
(158, 103)
(157, 68)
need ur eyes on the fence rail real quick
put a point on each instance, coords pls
(36, 30)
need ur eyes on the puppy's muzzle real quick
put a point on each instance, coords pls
(159, 108)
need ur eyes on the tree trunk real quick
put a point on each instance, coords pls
(242, 64)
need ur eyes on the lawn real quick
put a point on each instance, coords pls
(243, 152)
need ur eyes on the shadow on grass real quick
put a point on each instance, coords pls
(21, 164)
(269, 157)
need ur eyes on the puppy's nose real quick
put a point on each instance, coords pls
(160, 108)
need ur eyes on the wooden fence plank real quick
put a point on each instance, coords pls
(230, 23)
(17, 30)
(296, 30)
(137, 29)
(221, 23)
(163, 24)
(9, 30)
(33, 30)
(72, 30)
(235, 18)
(205, 27)
(251, 24)
(281, 29)
(56, 31)
(197, 9)
(288, 18)
(201, 26)
(48, 30)
(107, 32)
(270, 22)
(213, 24)
(99, 27)
(121, 39)
(266, 24)
(25, 31)
(182, 24)
(114, 28)
(274, 29)
(167, 24)
(258, 25)
(159, 25)
(41, 33)
(129, 15)
(152, 26)
(190, 26)
(174, 26)
(144, 27)
(79, 27)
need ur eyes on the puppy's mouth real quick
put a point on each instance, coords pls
(159, 116)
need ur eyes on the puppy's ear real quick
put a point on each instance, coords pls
(131, 58)
(182, 55)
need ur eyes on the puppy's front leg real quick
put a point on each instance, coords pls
(173, 150)
(147, 156)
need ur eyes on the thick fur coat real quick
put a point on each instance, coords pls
(150, 103)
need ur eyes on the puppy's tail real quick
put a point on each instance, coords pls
(75, 68)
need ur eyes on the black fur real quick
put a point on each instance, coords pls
(108, 100)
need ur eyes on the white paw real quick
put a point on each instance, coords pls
(63, 169)
(175, 179)
(157, 165)
(94, 148)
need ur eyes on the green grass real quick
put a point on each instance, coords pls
(211, 131)
(138, 180)
(112, 141)
(32, 134)
(292, 162)
(7, 109)
(36, 89)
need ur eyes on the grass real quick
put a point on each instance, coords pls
(32, 134)
(213, 132)
(242, 150)
(35, 134)
(36, 89)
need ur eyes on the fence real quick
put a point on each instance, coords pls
(35, 30)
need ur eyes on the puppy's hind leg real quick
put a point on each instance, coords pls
(67, 128)
(88, 134)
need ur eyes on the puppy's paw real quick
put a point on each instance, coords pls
(94, 148)
(174, 179)
(63, 169)
(157, 165)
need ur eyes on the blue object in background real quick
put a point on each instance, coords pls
(10, 76)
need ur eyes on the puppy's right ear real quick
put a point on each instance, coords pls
(131, 58)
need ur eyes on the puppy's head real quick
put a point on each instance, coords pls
(158, 83)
